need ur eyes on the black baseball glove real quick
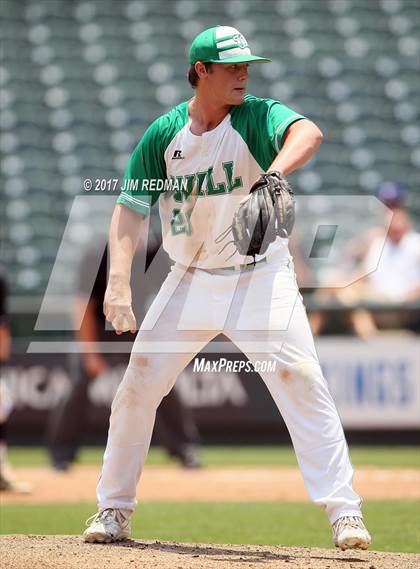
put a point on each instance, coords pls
(268, 212)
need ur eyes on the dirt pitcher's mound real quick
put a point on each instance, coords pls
(69, 552)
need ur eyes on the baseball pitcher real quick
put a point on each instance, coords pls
(217, 166)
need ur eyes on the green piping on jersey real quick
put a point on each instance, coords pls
(262, 123)
(147, 161)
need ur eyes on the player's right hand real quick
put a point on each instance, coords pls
(117, 308)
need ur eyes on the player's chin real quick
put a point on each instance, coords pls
(237, 96)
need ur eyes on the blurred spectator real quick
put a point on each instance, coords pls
(7, 482)
(391, 194)
(395, 281)
(397, 278)
(175, 428)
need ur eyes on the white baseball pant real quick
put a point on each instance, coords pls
(262, 312)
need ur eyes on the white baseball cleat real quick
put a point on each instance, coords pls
(108, 525)
(349, 532)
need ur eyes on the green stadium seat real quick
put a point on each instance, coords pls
(82, 81)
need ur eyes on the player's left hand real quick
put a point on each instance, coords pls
(267, 212)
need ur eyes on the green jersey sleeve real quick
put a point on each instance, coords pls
(262, 124)
(145, 168)
(279, 117)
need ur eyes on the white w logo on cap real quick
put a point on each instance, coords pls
(240, 40)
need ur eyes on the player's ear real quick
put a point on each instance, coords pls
(200, 69)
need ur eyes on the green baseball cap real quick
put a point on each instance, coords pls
(222, 44)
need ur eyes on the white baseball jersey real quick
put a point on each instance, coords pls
(200, 180)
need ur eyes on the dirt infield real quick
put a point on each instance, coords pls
(69, 552)
(224, 484)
